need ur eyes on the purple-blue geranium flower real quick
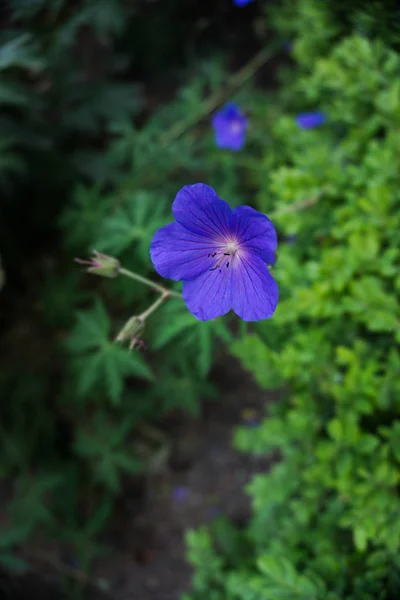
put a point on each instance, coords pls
(221, 255)
(180, 493)
(310, 120)
(242, 2)
(230, 127)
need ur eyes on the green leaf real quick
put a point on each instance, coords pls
(91, 329)
(205, 354)
(360, 538)
(99, 362)
(11, 562)
(134, 223)
(13, 95)
(177, 322)
(19, 52)
(97, 520)
(90, 373)
(278, 569)
(14, 535)
(107, 368)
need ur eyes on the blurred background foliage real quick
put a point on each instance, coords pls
(105, 114)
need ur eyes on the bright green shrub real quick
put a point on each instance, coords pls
(326, 518)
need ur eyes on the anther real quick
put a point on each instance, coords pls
(219, 263)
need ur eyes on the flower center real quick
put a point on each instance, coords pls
(236, 126)
(224, 257)
(231, 247)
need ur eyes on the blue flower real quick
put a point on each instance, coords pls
(179, 494)
(220, 254)
(230, 127)
(242, 2)
(310, 120)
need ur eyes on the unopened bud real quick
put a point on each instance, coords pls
(101, 264)
(132, 330)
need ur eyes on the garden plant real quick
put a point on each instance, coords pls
(277, 206)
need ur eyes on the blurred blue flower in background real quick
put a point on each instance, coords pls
(310, 120)
(221, 255)
(242, 2)
(230, 127)
(180, 493)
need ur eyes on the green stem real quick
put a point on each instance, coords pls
(295, 207)
(152, 284)
(212, 102)
(154, 306)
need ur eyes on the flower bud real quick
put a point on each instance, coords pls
(101, 264)
(132, 331)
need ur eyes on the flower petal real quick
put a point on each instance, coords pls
(255, 232)
(178, 254)
(229, 112)
(198, 208)
(233, 140)
(209, 295)
(310, 120)
(254, 290)
(230, 127)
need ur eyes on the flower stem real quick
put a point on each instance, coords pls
(152, 284)
(154, 306)
(296, 206)
(237, 80)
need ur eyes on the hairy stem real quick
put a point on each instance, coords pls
(295, 207)
(148, 282)
(154, 306)
(212, 102)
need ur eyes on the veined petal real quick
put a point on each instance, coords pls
(198, 208)
(209, 295)
(234, 140)
(254, 290)
(255, 232)
(179, 254)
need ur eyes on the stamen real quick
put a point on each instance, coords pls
(219, 262)
(232, 247)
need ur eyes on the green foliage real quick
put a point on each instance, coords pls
(108, 466)
(326, 516)
(89, 167)
(102, 364)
